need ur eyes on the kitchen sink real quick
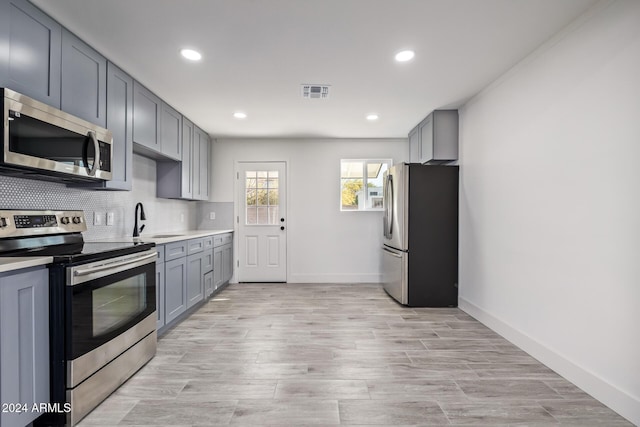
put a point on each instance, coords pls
(164, 236)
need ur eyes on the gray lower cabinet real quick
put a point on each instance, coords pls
(24, 28)
(84, 80)
(222, 259)
(208, 284)
(160, 287)
(24, 343)
(217, 268)
(147, 109)
(175, 288)
(195, 273)
(227, 262)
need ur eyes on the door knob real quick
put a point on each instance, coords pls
(281, 219)
(281, 228)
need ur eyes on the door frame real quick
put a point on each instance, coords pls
(236, 213)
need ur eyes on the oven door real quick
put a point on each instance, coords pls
(112, 307)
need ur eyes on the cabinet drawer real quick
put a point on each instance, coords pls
(222, 239)
(195, 246)
(160, 250)
(208, 242)
(175, 250)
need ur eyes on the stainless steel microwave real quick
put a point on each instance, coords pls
(39, 141)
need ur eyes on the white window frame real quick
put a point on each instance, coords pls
(365, 163)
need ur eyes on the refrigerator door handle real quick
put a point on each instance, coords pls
(389, 214)
(392, 253)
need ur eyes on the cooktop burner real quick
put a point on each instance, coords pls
(57, 234)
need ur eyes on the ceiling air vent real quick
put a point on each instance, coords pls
(315, 91)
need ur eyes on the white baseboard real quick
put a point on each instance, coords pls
(623, 403)
(334, 278)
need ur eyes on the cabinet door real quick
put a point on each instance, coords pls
(208, 284)
(24, 342)
(227, 263)
(84, 80)
(32, 42)
(146, 120)
(195, 290)
(171, 133)
(204, 166)
(160, 290)
(414, 146)
(187, 158)
(207, 260)
(426, 140)
(217, 267)
(198, 135)
(175, 285)
(120, 123)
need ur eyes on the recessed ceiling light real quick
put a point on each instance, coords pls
(240, 115)
(372, 117)
(405, 55)
(191, 55)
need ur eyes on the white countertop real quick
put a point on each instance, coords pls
(17, 263)
(167, 237)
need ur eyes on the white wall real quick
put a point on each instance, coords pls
(323, 244)
(550, 205)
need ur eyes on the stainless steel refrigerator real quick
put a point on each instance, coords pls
(420, 220)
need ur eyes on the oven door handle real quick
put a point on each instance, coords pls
(113, 265)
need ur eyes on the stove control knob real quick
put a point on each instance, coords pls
(64, 220)
(77, 220)
(3, 222)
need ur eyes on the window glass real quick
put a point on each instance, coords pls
(262, 197)
(361, 184)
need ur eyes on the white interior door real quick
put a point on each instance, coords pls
(262, 222)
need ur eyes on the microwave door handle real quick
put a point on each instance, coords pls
(96, 148)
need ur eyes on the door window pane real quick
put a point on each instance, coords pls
(262, 202)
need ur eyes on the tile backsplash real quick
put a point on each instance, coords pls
(223, 215)
(162, 214)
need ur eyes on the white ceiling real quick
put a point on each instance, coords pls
(257, 53)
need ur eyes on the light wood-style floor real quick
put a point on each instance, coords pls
(329, 355)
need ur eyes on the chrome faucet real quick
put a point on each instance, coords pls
(136, 231)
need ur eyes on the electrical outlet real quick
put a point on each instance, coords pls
(111, 217)
(181, 217)
(97, 218)
(212, 215)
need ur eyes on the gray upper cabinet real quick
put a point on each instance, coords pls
(84, 80)
(435, 139)
(120, 123)
(414, 145)
(24, 342)
(30, 51)
(188, 179)
(147, 109)
(200, 165)
(186, 172)
(171, 134)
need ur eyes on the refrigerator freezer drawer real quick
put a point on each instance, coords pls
(394, 274)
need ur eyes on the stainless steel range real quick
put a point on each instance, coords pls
(102, 306)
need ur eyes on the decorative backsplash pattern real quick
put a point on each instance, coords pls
(162, 214)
